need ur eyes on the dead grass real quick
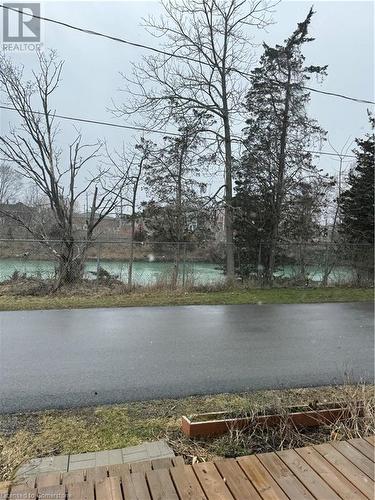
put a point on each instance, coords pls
(27, 435)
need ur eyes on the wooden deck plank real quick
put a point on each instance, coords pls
(4, 489)
(135, 486)
(293, 488)
(56, 492)
(356, 457)
(261, 478)
(186, 483)
(20, 492)
(212, 484)
(370, 439)
(141, 467)
(236, 480)
(73, 476)
(81, 491)
(360, 480)
(48, 479)
(118, 470)
(177, 461)
(161, 485)
(108, 489)
(364, 447)
(308, 477)
(344, 488)
(29, 494)
(161, 463)
(96, 473)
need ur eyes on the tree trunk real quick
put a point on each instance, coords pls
(179, 222)
(228, 211)
(71, 266)
(131, 257)
(280, 180)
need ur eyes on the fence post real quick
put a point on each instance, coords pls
(184, 267)
(98, 262)
(259, 263)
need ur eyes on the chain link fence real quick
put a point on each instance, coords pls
(140, 264)
(154, 264)
(310, 263)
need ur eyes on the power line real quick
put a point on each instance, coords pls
(342, 96)
(103, 35)
(142, 129)
(329, 154)
(163, 52)
(97, 122)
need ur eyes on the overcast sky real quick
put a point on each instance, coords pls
(344, 40)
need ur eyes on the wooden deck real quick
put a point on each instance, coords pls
(336, 470)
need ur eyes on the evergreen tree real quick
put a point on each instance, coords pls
(357, 210)
(357, 202)
(276, 164)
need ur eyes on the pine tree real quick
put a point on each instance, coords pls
(357, 210)
(357, 202)
(279, 132)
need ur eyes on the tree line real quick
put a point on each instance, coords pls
(234, 116)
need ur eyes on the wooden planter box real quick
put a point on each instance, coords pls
(216, 424)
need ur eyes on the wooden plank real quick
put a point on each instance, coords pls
(73, 476)
(307, 476)
(94, 474)
(364, 447)
(161, 463)
(118, 470)
(236, 480)
(177, 461)
(261, 478)
(213, 485)
(284, 477)
(356, 457)
(344, 488)
(135, 486)
(360, 480)
(370, 439)
(4, 489)
(56, 492)
(186, 483)
(81, 491)
(48, 479)
(108, 489)
(29, 494)
(141, 467)
(161, 485)
(18, 492)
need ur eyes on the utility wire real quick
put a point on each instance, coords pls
(159, 51)
(96, 122)
(342, 96)
(103, 35)
(142, 129)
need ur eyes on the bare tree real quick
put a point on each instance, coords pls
(131, 165)
(331, 254)
(32, 148)
(10, 183)
(211, 47)
(172, 179)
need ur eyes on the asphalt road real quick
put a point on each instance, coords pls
(56, 359)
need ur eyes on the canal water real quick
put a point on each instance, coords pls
(150, 273)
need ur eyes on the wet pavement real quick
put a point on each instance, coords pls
(58, 359)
